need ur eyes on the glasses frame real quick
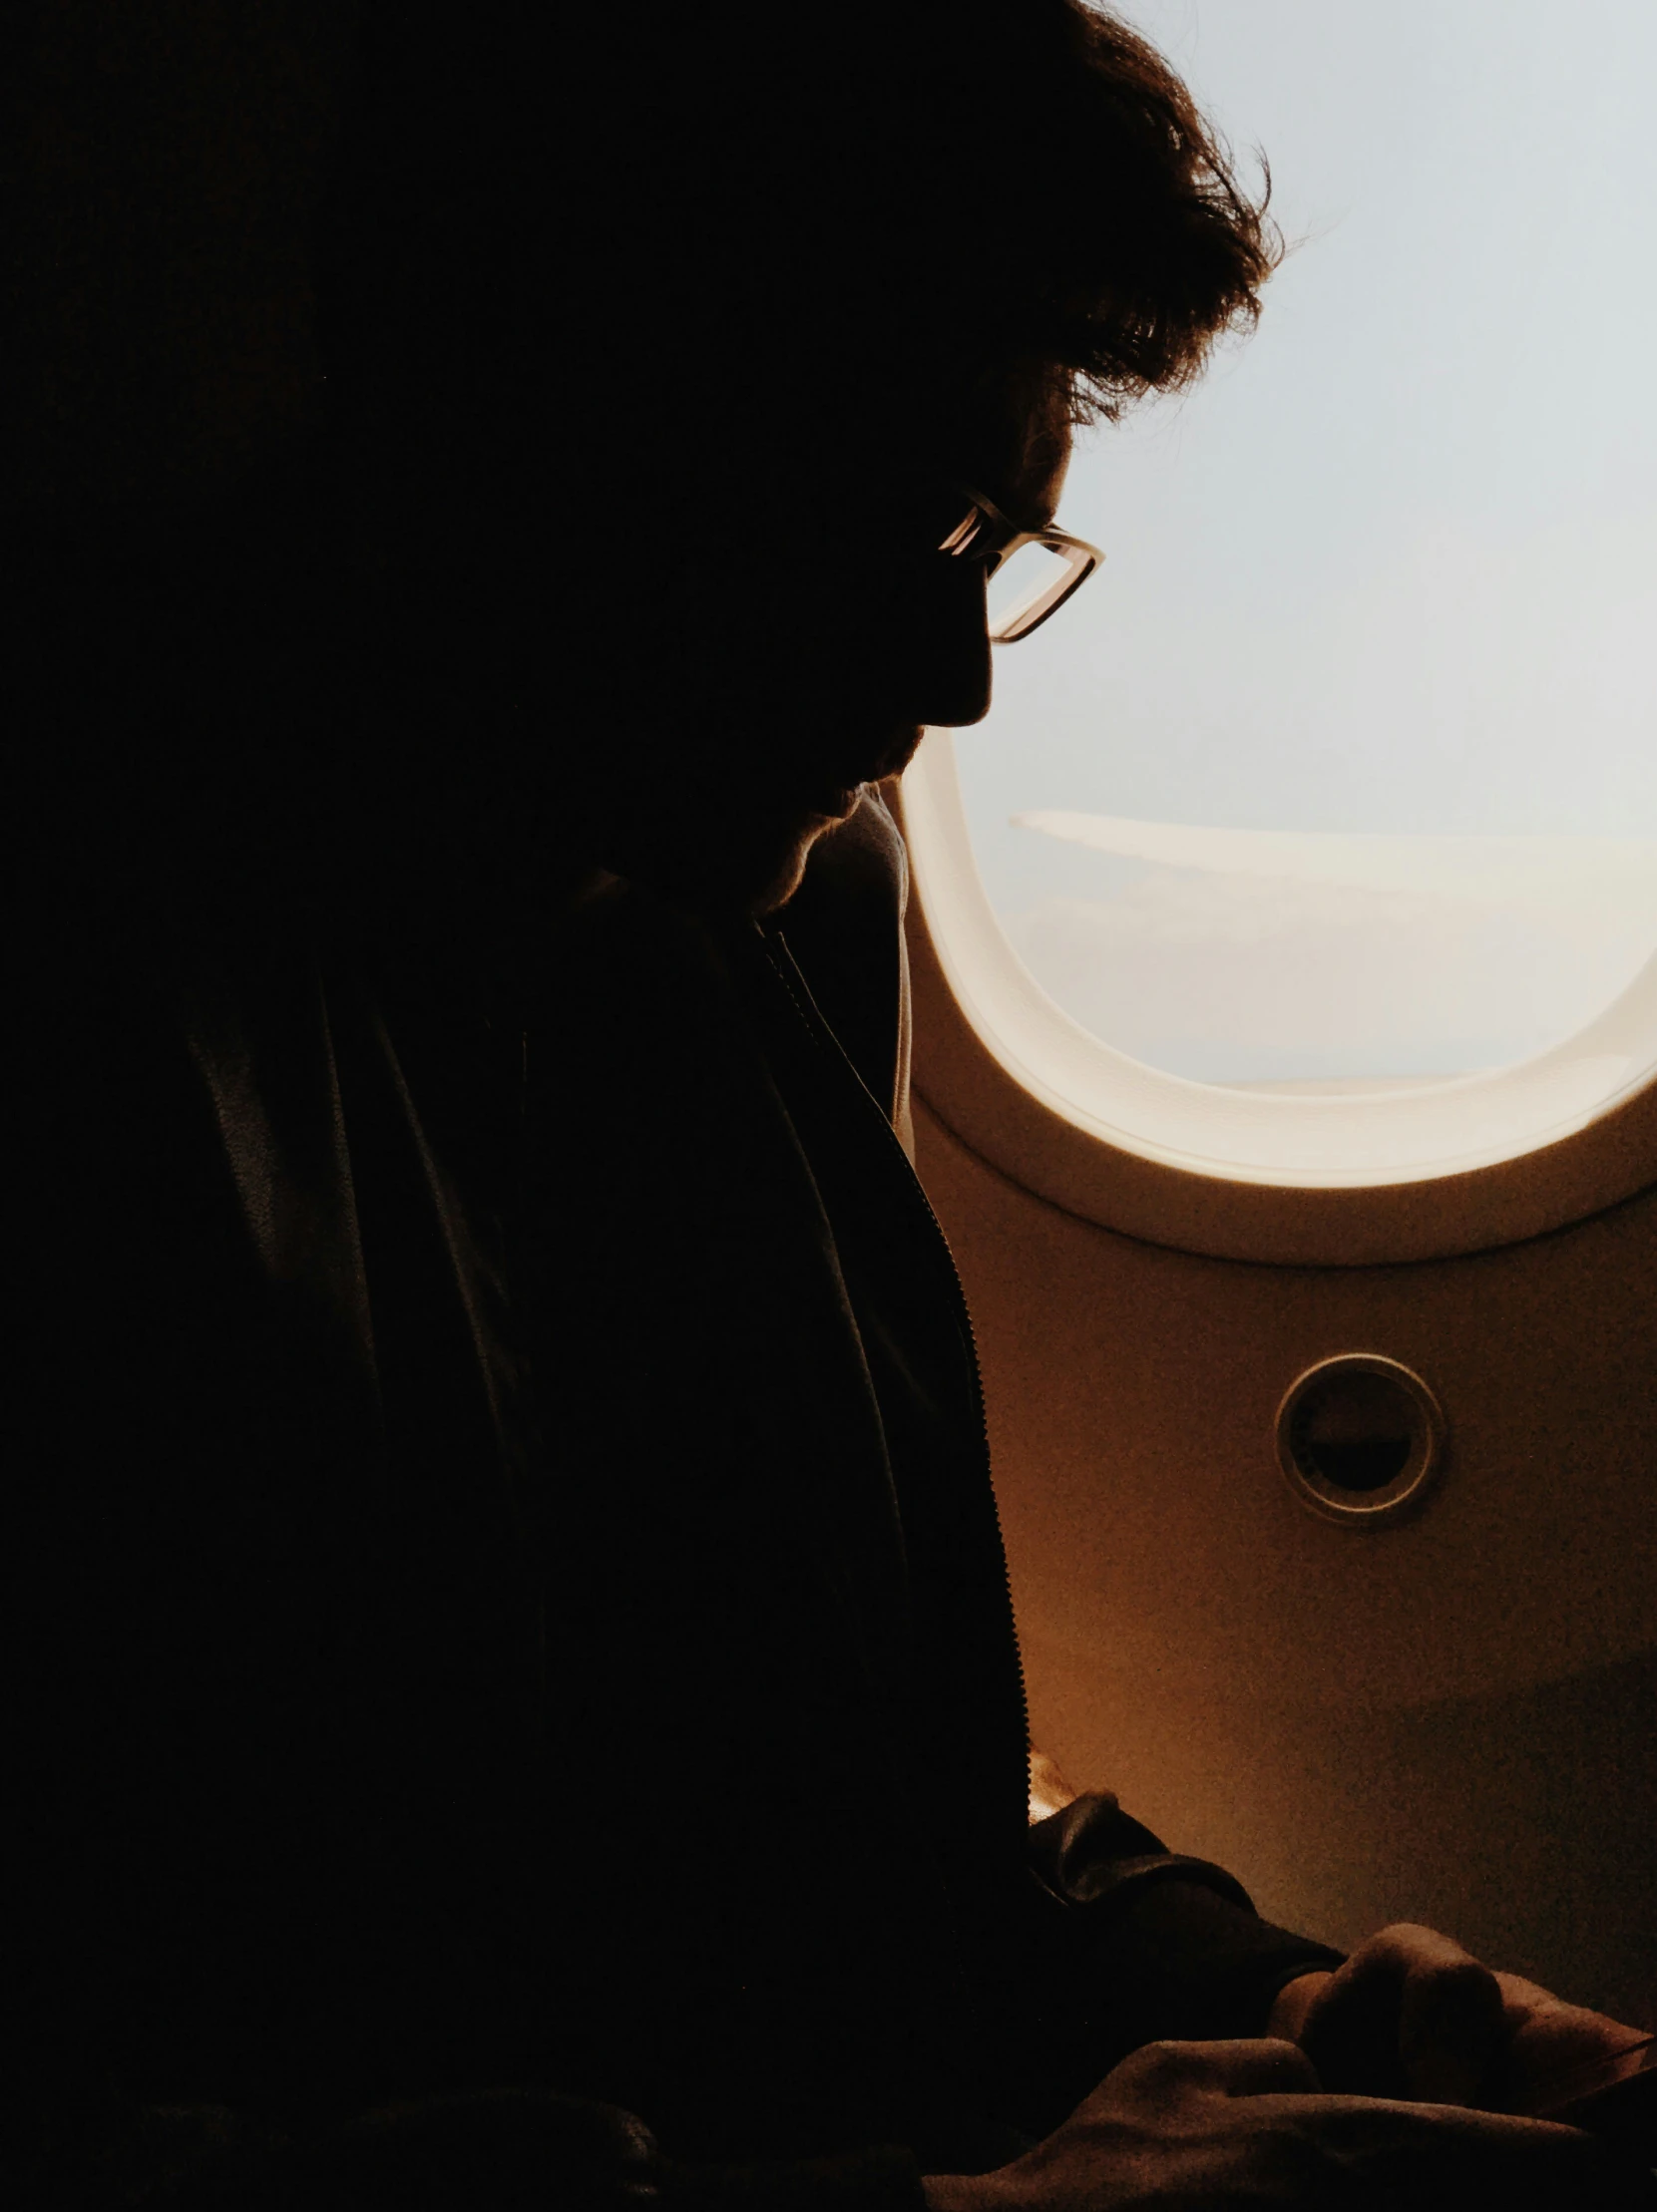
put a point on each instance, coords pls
(967, 538)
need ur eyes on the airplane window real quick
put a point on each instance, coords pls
(1341, 777)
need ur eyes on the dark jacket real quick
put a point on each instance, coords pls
(509, 1620)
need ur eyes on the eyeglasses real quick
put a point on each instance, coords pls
(1031, 572)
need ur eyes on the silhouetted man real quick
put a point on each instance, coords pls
(515, 1697)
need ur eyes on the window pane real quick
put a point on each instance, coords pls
(1021, 584)
(1345, 768)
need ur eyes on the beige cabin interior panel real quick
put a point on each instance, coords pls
(1450, 1719)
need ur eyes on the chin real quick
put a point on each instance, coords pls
(761, 874)
(732, 865)
(785, 879)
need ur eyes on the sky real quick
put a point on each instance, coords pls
(1390, 572)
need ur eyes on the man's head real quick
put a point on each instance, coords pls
(690, 319)
(793, 653)
(651, 342)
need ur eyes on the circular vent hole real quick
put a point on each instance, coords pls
(1359, 1435)
(1355, 1429)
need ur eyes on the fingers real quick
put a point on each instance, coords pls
(1411, 2014)
(1168, 2072)
(1556, 2050)
(1451, 2030)
(1242, 2123)
(1292, 2004)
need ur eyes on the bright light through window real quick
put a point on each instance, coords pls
(1344, 770)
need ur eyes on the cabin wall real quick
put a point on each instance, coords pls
(1453, 1719)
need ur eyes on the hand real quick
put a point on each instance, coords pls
(1548, 2041)
(1210, 2126)
(1412, 2015)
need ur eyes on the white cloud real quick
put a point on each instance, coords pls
(1232, 976)
(1599, 880)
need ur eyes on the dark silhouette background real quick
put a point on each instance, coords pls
(371, 370)
(505, 1610)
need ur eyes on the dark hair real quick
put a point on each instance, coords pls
(1158, 249)
(660, 206)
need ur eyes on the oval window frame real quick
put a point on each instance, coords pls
(1468, 1165)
